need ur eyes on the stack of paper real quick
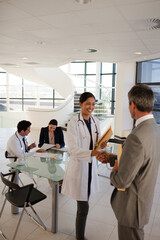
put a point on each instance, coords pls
(47, 146)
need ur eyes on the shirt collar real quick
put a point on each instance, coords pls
(141, 119)
(21, 137)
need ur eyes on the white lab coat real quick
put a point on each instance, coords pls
(75, 183)
(15, 147)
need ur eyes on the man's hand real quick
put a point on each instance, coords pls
(115, 168)
(103, 157)
(33, 145)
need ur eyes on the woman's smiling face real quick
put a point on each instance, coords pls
(87, 107)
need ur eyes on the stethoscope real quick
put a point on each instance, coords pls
(19, 140)
(97, 133)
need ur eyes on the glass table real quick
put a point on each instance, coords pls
(50, 168)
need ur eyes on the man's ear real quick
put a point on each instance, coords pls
(22, 133)
(133, 105)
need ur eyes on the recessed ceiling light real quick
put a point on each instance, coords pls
(90, 50)
(8, 64)
(31, 63)
(138, 53)
(24, 58)
(83, 1)
(39, 42)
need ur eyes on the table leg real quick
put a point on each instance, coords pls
(55, 198)
(15, 210)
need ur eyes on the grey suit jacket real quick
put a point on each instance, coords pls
(138, 169)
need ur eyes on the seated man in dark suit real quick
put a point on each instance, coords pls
(52, 135)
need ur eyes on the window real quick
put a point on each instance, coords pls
(98, 78)
(20, 94)
(3, 80)
(77, 68)
(91, 68)
(3, 91)
(108, 82)
(3, 105)
(148, 72)
(107, 68)
(17, 94)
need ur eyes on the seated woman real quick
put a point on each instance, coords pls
(52, 134)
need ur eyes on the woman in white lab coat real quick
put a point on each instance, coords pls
(81, 178)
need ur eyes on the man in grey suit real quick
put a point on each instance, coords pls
(135, 176)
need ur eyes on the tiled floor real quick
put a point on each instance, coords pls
(101, 223)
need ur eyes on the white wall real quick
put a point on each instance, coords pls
(126, 74)
(10, 119)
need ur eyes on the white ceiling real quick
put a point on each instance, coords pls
(50, 33)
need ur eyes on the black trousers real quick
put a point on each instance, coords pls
(82, 209)
(127, 233)
(82, 212)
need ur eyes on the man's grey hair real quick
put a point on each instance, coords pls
(142, 96)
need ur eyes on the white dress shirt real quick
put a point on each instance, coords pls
(141, 119)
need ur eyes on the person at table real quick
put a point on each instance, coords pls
(81, 178)
(17, 144)
(52, 135)
(135, 177)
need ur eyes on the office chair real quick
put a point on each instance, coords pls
(15, 158)
(21, 197)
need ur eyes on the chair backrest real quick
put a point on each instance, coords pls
(7, 156)
(7, 182)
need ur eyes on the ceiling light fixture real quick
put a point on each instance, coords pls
(39, 42)
(91, 50)
(138, 53)
(83, 1)
(8, 64)
(31, 63)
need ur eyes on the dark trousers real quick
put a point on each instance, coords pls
(127, 233)
(82, 212)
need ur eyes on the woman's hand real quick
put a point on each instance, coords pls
(58, 145)
(103, 144)
(95, 153)
(103, 157)
(40, 150)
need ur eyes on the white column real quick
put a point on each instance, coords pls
(126, 75)
(7, 80)
(97, 79)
